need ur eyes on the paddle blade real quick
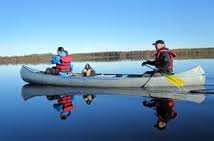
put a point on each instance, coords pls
(175, 81)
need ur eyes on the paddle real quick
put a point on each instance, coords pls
(202, 91)
(179, 83)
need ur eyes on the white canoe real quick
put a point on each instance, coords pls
(30, 91)
(193, 77)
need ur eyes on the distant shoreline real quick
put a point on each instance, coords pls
(193, 53)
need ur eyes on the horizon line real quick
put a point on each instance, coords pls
(49, 53)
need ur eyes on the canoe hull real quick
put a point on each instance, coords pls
(192, 77)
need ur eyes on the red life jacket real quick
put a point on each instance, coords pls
(66, 102)
(170, 103)
(159, 62)
(68, 108)
(65, 64)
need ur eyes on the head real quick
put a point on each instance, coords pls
(159, 44)
(64, 115)
(161, 124)
(87, 66)
(61, 51)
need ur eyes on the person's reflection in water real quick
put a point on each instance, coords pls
(88, 98)
(165, 110)
(64, 105)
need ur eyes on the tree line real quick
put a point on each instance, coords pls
(195, 53)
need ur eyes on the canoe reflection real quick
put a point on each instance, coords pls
(161, 100)
(30, 91)
(165, 110)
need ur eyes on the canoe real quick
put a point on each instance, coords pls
(30, 91)
(192, 77)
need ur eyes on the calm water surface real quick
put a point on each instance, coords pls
(107, 117)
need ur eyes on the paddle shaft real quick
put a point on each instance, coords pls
(150, 67)
(202, 91)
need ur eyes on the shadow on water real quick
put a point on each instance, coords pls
(160, 100)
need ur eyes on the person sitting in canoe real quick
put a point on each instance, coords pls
(88, 71)
(62, 61)
(163, 60)
(165, 110)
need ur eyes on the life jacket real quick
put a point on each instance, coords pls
(66, 103)
(65, 64)
(166, 110)
(159, 62)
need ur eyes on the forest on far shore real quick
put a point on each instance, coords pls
(194, 53)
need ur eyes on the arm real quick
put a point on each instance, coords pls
(55, 60)
(149, 103)
(148, 63)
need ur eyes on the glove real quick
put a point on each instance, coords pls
(144, 63)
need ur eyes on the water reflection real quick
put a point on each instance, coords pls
(63, 104)
(164, 108)
(88, 98)
(162, 101)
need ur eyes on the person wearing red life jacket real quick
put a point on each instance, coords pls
(163, 59)
(65, 61)
(62, 61)
(165, 111)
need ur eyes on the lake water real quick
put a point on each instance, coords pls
(107, 117)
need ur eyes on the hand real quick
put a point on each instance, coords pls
(144, 63)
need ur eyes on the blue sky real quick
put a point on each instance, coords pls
(40, 26)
